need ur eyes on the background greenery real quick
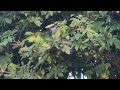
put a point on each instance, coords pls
(85, 42)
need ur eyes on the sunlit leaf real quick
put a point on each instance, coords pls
(66, 49)
(90, 35)
(57, 34)
(12, 68)
(37, 22)
(37, 38)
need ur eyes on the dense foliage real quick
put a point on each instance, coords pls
(52, 44)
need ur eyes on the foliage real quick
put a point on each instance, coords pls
(52, 44)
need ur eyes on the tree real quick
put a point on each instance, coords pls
(52, 44)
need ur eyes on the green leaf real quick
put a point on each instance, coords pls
(7, 20)
(103, 13)
(41, 60)
(29, 33)
(21, 70)
(90, 35)
(84, 32)
(4, 43)
(1, 48)
(3, 66)
(9, 76)
(66, 49)
(97, 74)
(104, 75)
(89, 74)
(86, 40)
(60, 74)
(4, 59)
(77, 36)
(103, 44)
(111, 42)
(37, 22)
(116, 42)
(84, 19)
(49, 75)
(74, 22)
(57, 34)
(67, 37)
(107, 65)
(63, 31)
(79, 16)
(98, 26)
(51, 13)
(77, 47)
(12, 68)
(99, 68)
(90, 30)
(49, 59)
(10, 39)
(100, 49)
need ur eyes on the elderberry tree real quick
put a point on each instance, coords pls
(52, 44)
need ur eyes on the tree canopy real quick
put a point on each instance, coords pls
(52, 44)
